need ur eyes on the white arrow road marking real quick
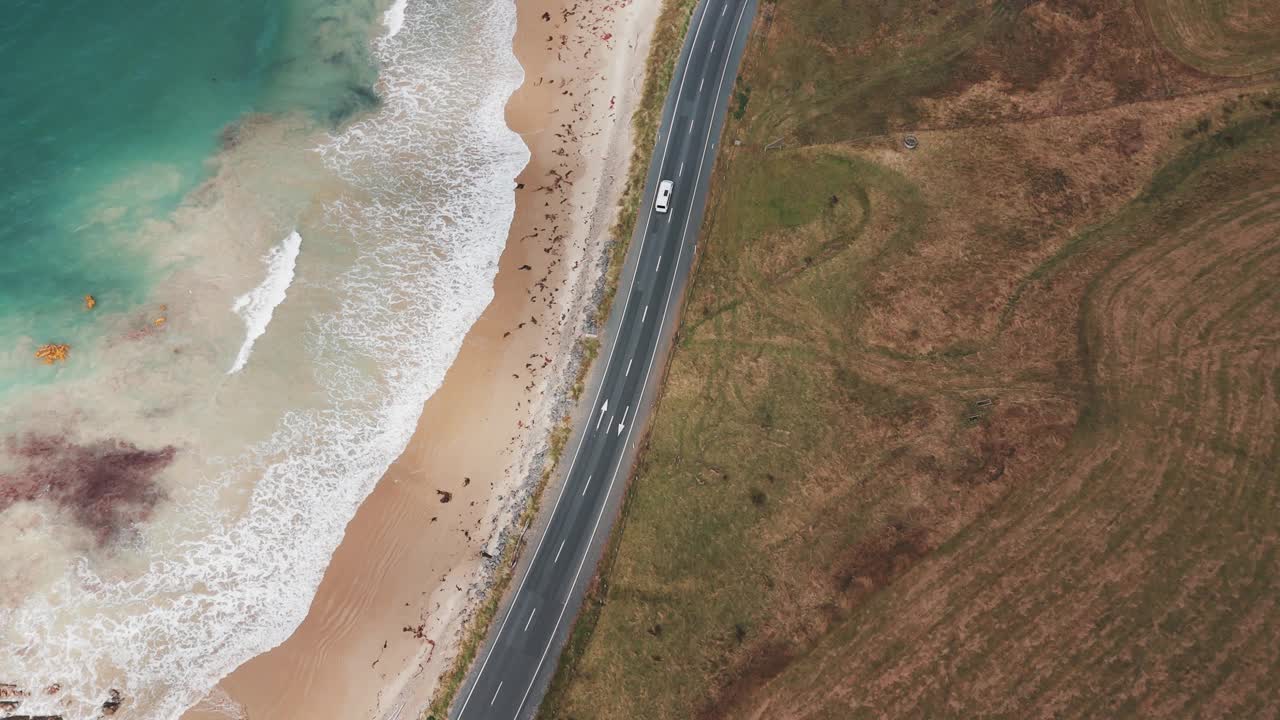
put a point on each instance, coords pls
(644, 233)
(624, 419)
(530, 620)
(553, 562)
(628, 372)
(603, 407)
(671, 290)
(495, 693)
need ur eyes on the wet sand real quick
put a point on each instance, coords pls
(387, 617)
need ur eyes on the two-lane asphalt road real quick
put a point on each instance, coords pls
(520, 655)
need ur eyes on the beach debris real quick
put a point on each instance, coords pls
(546, 16)
(159, 322)
(11, 697)
(113, 703)
(466, 481)
(89, 302)
(53, 352)
(445, 495)
(526, 267)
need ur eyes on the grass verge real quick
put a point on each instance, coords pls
(664, 49)
(668, 36)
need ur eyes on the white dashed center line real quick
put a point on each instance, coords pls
(666, 138)
(681, 173)
(628, 372)
(584, 487)
(530, 620)
(553, 562)
(701, 83)
(643, 315)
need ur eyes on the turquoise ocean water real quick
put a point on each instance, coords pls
(290, 213)
(98, 95)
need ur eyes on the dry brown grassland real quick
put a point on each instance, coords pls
(987, 428)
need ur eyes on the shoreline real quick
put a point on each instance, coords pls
(419, 556)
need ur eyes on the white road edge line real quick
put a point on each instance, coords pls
(562, 542)
(648, 217)
(530, 620)
(495, 694)
(656, 345)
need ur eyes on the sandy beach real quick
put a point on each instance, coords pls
(415, 562)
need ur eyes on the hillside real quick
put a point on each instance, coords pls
(987, 427)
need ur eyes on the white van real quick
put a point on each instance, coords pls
(663, 201)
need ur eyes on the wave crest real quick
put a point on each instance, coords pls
(256, 306)
(432, 174)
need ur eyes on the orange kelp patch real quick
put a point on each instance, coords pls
(53, 352)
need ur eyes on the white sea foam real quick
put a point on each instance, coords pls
(433, 171)
(256, 306)
(393, 18)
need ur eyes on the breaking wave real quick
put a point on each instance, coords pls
(393, 18)
(431, 175)
(255, 307)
